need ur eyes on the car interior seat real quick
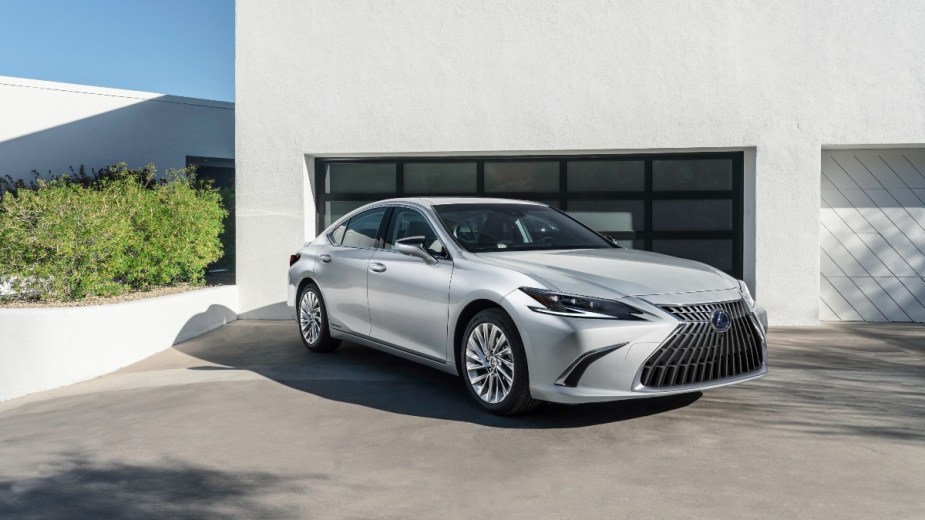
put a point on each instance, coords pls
(495, 230)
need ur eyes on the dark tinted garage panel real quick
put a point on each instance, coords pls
(361, 177)
(521, 176)
(692, 215)
(606, 175)
(612, 215)
(692, 174)
(717, 253)
(686, 205)
(433, 178)
(336, 209)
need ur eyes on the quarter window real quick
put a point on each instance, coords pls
(337, 236)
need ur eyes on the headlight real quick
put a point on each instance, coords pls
(580, 306)
(747, 296)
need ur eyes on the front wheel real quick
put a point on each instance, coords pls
(313, 321)
(494, 364)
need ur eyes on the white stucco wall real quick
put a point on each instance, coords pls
(779, 80)
(46, 126)
(44, 348)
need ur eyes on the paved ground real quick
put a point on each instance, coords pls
(242, 422)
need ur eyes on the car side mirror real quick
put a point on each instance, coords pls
(414, 246)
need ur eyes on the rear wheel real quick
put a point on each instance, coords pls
(313, 321)
(494, 364)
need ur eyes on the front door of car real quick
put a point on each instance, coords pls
(342, 268)
(409, 298)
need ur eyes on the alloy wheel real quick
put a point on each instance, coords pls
(489, 363)
(310, 316)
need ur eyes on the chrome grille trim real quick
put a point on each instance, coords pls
(696, 354)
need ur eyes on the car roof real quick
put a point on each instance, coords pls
(430, 202)
(436, 201)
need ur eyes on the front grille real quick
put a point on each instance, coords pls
(698, 353)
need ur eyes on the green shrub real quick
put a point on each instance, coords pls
(104, 234)
(227, 261)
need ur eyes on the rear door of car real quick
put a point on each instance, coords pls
(342, 269)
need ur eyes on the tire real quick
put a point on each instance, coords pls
(490, 363)
(313, 326)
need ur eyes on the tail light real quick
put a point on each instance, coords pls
(294, 258)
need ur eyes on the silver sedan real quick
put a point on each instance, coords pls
(523, 302)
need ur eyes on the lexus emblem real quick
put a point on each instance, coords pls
(720, 321)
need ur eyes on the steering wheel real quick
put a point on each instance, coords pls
(546, 240)
(464, 233)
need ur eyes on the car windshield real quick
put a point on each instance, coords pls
(515, 227)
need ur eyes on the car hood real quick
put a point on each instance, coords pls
(610, 273)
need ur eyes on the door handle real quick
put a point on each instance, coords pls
(376, 267)
(325, 258)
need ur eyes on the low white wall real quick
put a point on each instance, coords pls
(46, 348)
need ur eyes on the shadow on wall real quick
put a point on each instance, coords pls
(872, 252)
(362, 376)
(76, 488)
(214, 316)
(163, 130)
(274, 311)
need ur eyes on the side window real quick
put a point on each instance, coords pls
(361, 230)
(337, 236)
(407, 223)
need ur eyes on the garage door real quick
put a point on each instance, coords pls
(687, 205)
(873, 235)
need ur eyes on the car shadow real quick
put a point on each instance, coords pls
(363, 376)
(849, 380)
(442, 396)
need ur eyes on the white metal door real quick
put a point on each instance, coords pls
(873, 235)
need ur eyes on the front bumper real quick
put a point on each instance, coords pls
(554, 345)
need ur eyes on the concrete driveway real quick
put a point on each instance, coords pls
(244, 423)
